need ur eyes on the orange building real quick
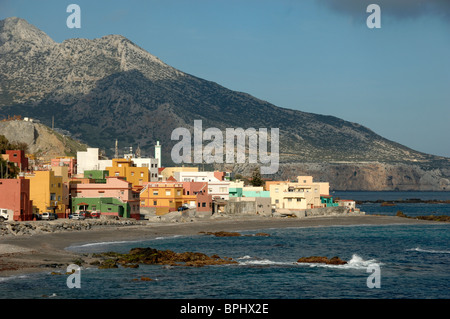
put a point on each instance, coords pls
(137, 176)
(165, 197)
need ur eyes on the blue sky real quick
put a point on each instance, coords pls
(316, 56)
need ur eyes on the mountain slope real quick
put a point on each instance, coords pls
(109, 88)
(42, 141)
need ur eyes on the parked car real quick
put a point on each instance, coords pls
(181, 208)
(86, 214)
(3, 215)
(78, 216)
(95, 214)
(47, 216)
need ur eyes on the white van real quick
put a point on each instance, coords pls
(3, 214)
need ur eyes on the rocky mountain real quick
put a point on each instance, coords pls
(109, 88)
(42, 141)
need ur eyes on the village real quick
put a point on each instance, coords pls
(141, 188)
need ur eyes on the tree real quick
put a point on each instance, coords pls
(7, 170)
(4, 144)
(256, 178)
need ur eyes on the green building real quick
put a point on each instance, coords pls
(99, 176)
(328, 201)
(104, 205)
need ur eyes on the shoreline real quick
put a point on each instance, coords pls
(23, 255)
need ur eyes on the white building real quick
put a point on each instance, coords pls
(217, 188)
(90, 160)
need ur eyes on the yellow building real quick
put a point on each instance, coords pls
(137, 176)
(46, 192)
(302, 194)
(165, 197)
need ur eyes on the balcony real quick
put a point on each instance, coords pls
(294, 194)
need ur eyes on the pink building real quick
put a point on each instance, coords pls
(200, 189)
(15, 198)
(116, 197)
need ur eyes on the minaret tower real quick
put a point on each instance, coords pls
(158, 153)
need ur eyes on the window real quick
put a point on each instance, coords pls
(155, 202)
(289, 199)
(276, 201)
(276, 189)
(117, 174)
(178, 192)
(59, 198)
(142, 174)
(52, 196)
(132, 173)
(142, 202)
(167, 192)
(198, 204)
(203, 204)
(299, 199)
(155, 193)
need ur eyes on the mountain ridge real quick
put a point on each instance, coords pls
(109, 88)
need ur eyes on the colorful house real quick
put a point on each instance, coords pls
(303, 194)
(165, 197)
(65, 161)
(327, 201)
(15, 198)
(137, 176)
(237, 189)
(115, 197)
(98, 176)
(217, 187)
(203, 200)
(18, 158)
(46, 192)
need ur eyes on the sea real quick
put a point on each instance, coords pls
(397, 261)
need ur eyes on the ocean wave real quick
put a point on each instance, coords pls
(2, 279)
(102, 243)
(356, 262)
(167, 237)
(254, 261)
(431, 251)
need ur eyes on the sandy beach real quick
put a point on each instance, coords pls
(46, 252)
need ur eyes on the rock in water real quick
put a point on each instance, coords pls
(322, 260)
